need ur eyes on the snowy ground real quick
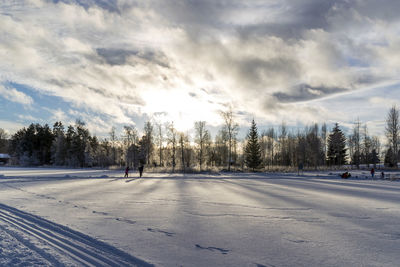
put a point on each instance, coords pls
(96, 217)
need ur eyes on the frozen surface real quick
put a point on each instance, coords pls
(96, 217)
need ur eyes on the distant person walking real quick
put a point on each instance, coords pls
(372, 172)
(141, 170)
(126, 171)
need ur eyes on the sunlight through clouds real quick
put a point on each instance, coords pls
(121, 60)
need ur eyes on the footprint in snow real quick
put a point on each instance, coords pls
(100, 212)
(262, 265)
(160, 231)
(223, 251)
(125, 220)
(298, 241)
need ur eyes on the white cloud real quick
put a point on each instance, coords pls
(26, 118)
(11, 127)
(190, 60)
(14, 95)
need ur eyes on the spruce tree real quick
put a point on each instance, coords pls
(393, 134)
(336, 147)
(253, 149)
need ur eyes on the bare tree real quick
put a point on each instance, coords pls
(301, 149)
(113, 139)
(356, 141)
(172, 140)
(366, 146)
(202, 138)
(271, 145)
(131, 141)
(160, 140)
(393, 133)
(263, 146)
(231, 128)
(183, 140)
(350, 146)
(283, 146)
(220, 153)
(324, 136)
(314, 144)
(148, 142)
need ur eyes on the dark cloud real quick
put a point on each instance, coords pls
(292, 17)
(256, 71)
(192, 13)
(387, 10)
(116, 56)
(296, 17)
(60, 83)
(109, 5)
(368, 79)
(124, 98)
(305, 92)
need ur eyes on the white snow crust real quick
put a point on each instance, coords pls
(75, 217)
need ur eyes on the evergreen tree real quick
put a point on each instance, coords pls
(393, 134)
(32, 145)
(3, 141)
(253, 150)
(58, 149)
(45, 137)
(336, 146)
(374, 157)
(81, 139)
(389, 158)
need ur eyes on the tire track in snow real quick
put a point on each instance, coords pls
(80, 248)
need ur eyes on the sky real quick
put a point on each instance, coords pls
(119, 62)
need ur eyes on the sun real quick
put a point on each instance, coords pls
(181, 108)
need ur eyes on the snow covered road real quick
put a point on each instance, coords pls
(197, 220)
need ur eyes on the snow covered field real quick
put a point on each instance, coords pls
(96, 217)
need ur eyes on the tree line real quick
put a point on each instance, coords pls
(163, 146)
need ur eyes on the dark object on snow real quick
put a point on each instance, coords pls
(382, 175)
(140, 170)
(345, 175)
(372, 172)
(4, 158)
(126, 171)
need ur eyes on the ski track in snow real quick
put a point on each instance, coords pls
(58, 245)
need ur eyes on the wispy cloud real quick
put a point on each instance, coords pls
(16, 96)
